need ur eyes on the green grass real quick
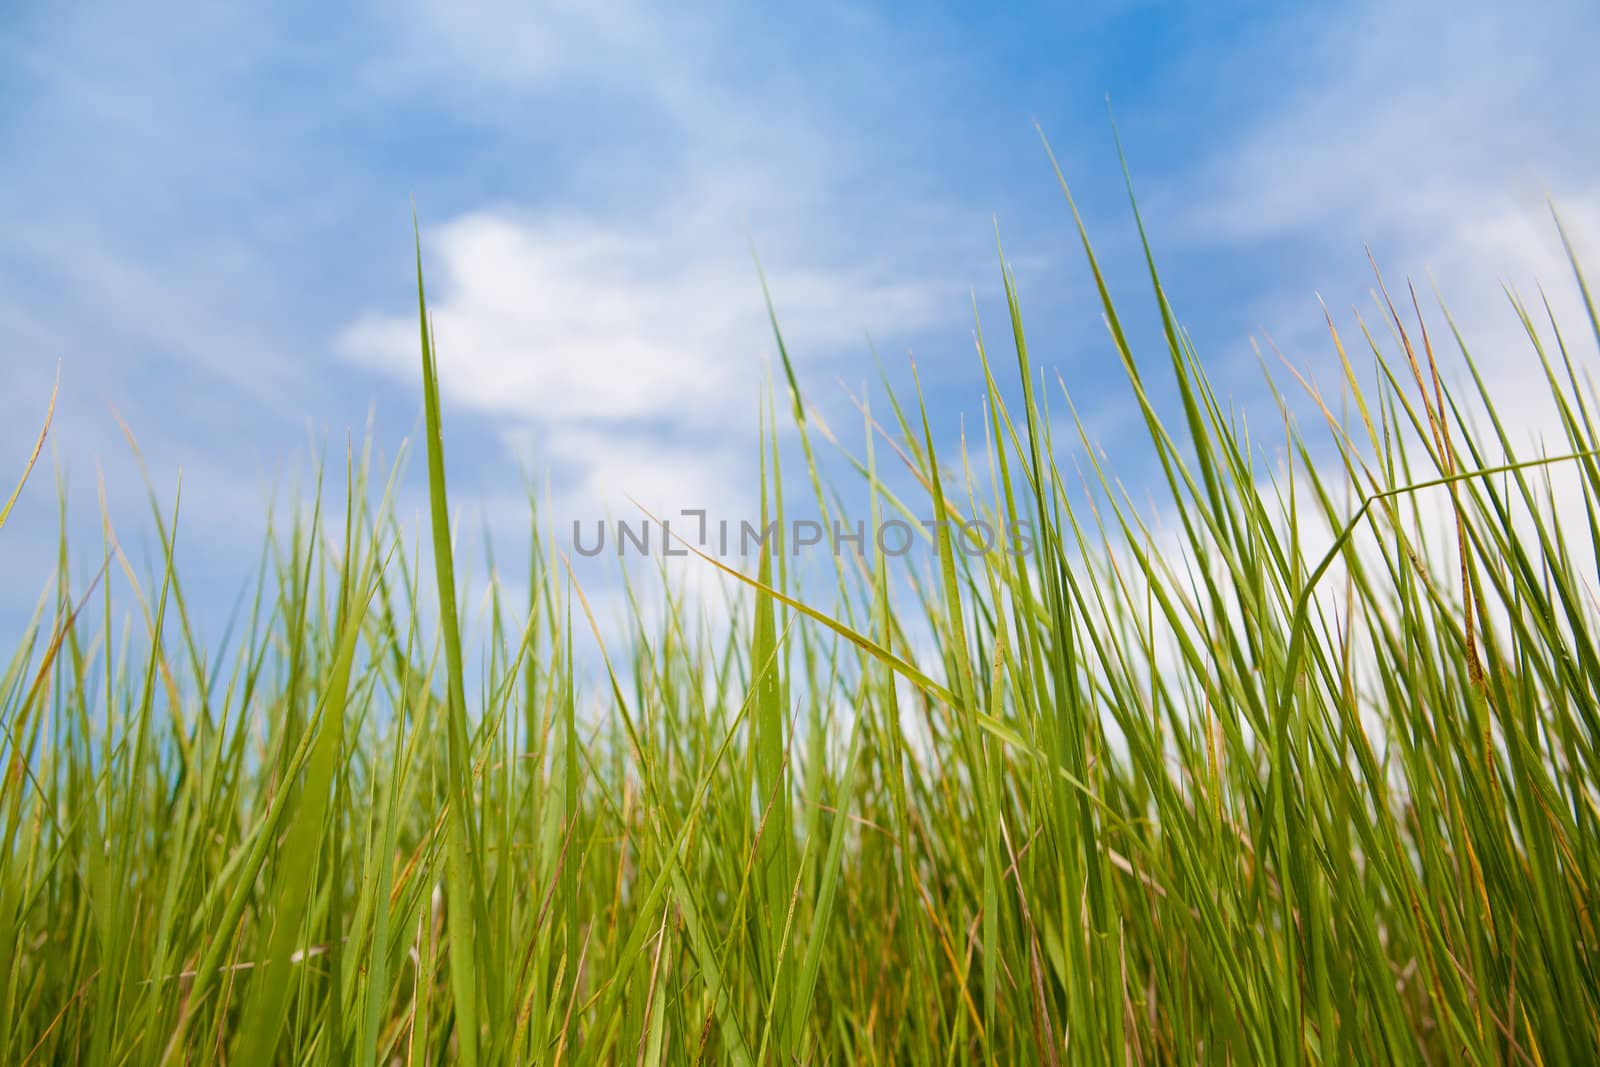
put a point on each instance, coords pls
(1307, 773)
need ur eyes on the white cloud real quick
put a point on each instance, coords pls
(1401, 119)
(571, 319)
(613, 333)
(1435, 136)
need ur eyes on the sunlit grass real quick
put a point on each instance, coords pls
(1307, 774)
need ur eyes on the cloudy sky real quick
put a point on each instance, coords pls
(207, 225)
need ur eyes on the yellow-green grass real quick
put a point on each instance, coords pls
(1298, 779)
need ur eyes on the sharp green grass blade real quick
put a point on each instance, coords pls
(465, 898)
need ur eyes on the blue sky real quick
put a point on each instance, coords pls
(207, 224)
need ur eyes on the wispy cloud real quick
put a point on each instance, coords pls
(1402, 119)
(1436, 135)
(619, 328)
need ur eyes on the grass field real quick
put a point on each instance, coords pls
(1307, 774)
